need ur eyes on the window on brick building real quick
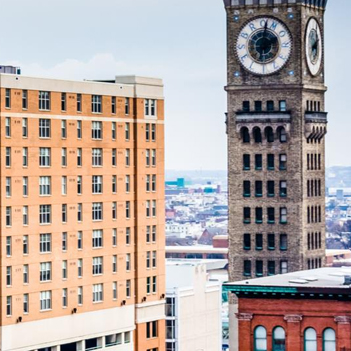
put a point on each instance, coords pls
(270, 215)
(310, 339)
(247, 241)
(258, 106)
(270, 105)
(247, 268)
(283, 242)
(278, 339)
(257, 135)
(247, 214)
(260, 339)
(258, 215)
(329, 340)
(271, 269)
(246, 162)
(259, 268)
(258, 188)
(246, 106)
(271, 241)
(259, 241)
(247, 188)
(245, 135)
(270, 162)
(270, 188)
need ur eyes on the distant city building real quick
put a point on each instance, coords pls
(82, 214)
(300, 311)
(193, 308)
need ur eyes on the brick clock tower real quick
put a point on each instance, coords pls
(276, 125)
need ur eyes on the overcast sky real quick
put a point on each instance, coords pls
(183, 42)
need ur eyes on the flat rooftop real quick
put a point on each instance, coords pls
(318, 283)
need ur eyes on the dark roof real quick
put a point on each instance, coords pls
(318, 3)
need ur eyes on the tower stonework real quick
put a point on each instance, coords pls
(276, 126)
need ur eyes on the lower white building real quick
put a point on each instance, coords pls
(193, 308)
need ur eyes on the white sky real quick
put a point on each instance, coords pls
(183, 42)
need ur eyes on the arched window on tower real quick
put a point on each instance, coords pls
(282, 135)
(269, 134)
(245, 135)
(257, 135)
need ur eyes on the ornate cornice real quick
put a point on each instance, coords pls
(342, 319)
(247, 317)
(293, 318)
(312, 3)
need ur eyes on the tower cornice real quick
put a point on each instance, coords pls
(242, 3)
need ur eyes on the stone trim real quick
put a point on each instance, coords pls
(293, 318)
(342, 319)
(245, 317)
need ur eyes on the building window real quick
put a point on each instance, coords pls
(63, 157)
(44, 157)
(79, 185)
(259, 268)
(7, 127)
(283, 267)
(128, 262)
(247, 268)
(8, 276)
(25, 303)
(63, 101)
(154, 233)
(283, 215)
(114, 157)
(126, 106)
(282, 161)
(63, 129)
(45, 243)
(97, 157)
(246, 162)
(150, 107)
(258, 188)
(260, 339)
(64, 213)
(25, 245)
(44, 100)
(97, 293)
(270, 215)
(113, 106)
(247, 215)
(151, 330)
(8, 157)
(283, 188)
(8, 305)
(127, 236)
(282, 135)
(45, 185)
(283, 242)
(279, 339)
(127, 209)
(97, 265)
(79, 212)
(97, 184)
(80, 267)
(45, 271)
(270, 188)
(114, 210)
(8, 216)
(79, 102)
(25, 157)
(329, 340)
(8, 98)
(271, 241)
(8, 246)
(310, 340)
(148, 257)
(64, 185)
(258, 162)
(45, 214)
(24, 99)
(25, 186)
(258, 106)
(245, 135)
(25, 274)
(8, 186)
(259, 242)
(246, 106)
(64, 298)
(97, 239)
(259, 215)
(153, 208)
(45, 300)
(128, 157)
(127, 131)
(282, 105)
(79, 240)
(96, 103)
(114, 184)
(114, 237)
(128, 288)
(64, 269)
(24, 127)
(64, 241)
(79, 157)
(269, 134)
(270, 105)
(114, 292)
(44, 128)
(271, 268)
(114, 264)
(96, 130)
(247, 241)
(80, 295)
(246, 188)
(154, 285)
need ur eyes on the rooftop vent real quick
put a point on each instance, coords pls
(298, 281)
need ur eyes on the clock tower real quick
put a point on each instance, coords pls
(276, 126)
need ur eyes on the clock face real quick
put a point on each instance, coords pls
(264, 45)
(314, 46)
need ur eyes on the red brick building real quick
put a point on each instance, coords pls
(300, 311)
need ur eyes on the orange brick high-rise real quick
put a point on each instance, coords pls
(82, 224)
